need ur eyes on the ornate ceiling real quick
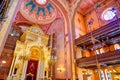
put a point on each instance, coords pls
(38, 11)
(44, 12)
(32, 12)
(84, 6)
(87, 5)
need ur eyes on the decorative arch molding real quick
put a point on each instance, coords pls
(63, 12)
(74, 73)
(73, 18)
(36, 52)
(58, 24)
(41, 14)
(67, 24)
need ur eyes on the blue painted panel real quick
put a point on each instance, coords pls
(41, 9)
(31, 3)
(49, 6)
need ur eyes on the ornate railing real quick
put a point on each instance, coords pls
(107, 58)
(104, 30)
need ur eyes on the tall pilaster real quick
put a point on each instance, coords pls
(71, 12)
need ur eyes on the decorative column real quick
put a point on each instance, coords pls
(38, 70)
(24, 59)
(52, 62)
(41, 69)
(7, 24)
(71, 13)
(11, 75)
(24, 70)
(11, 69)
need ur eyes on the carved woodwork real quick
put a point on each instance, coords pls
(29, 76)
(109, 58)
(110, 31)
(110, 34)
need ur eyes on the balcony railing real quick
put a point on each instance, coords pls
(108, 30)
(109, 58)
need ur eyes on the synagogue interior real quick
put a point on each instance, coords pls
(59, 39)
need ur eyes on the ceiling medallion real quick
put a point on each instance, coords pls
(38, 14)
(41, 2)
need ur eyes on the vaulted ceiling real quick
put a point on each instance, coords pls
(87, 5)
(83, 7)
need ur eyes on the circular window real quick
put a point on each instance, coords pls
(41, 2)
(108, 14)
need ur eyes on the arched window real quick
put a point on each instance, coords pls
(107, 75)
(116, 46)
(102, 51)
(108, 14)
(102, 76)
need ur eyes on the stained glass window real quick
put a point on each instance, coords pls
(108, 14)
(116, 46)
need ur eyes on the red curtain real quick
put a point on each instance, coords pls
(32, 68)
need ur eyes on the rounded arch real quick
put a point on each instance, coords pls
(57, 27)
(73, 36)
(36, 53)
(58, 24)
(61, 41)
(73, 18)
(64, 14)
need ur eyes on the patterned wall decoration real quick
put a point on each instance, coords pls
(41, 14)
(19, 19)
(57, 27)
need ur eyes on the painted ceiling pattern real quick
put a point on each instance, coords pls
(36, 13)
(22, 22)
(86, 5)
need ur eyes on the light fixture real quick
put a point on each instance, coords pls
(61, 69)
(116, 77)
(12, 34)
(3, 61)
(110, 71)
(93, 40)
(116, 72)
(113, 70)
(87, 73)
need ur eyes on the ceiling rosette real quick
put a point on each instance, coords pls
(38, 11)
